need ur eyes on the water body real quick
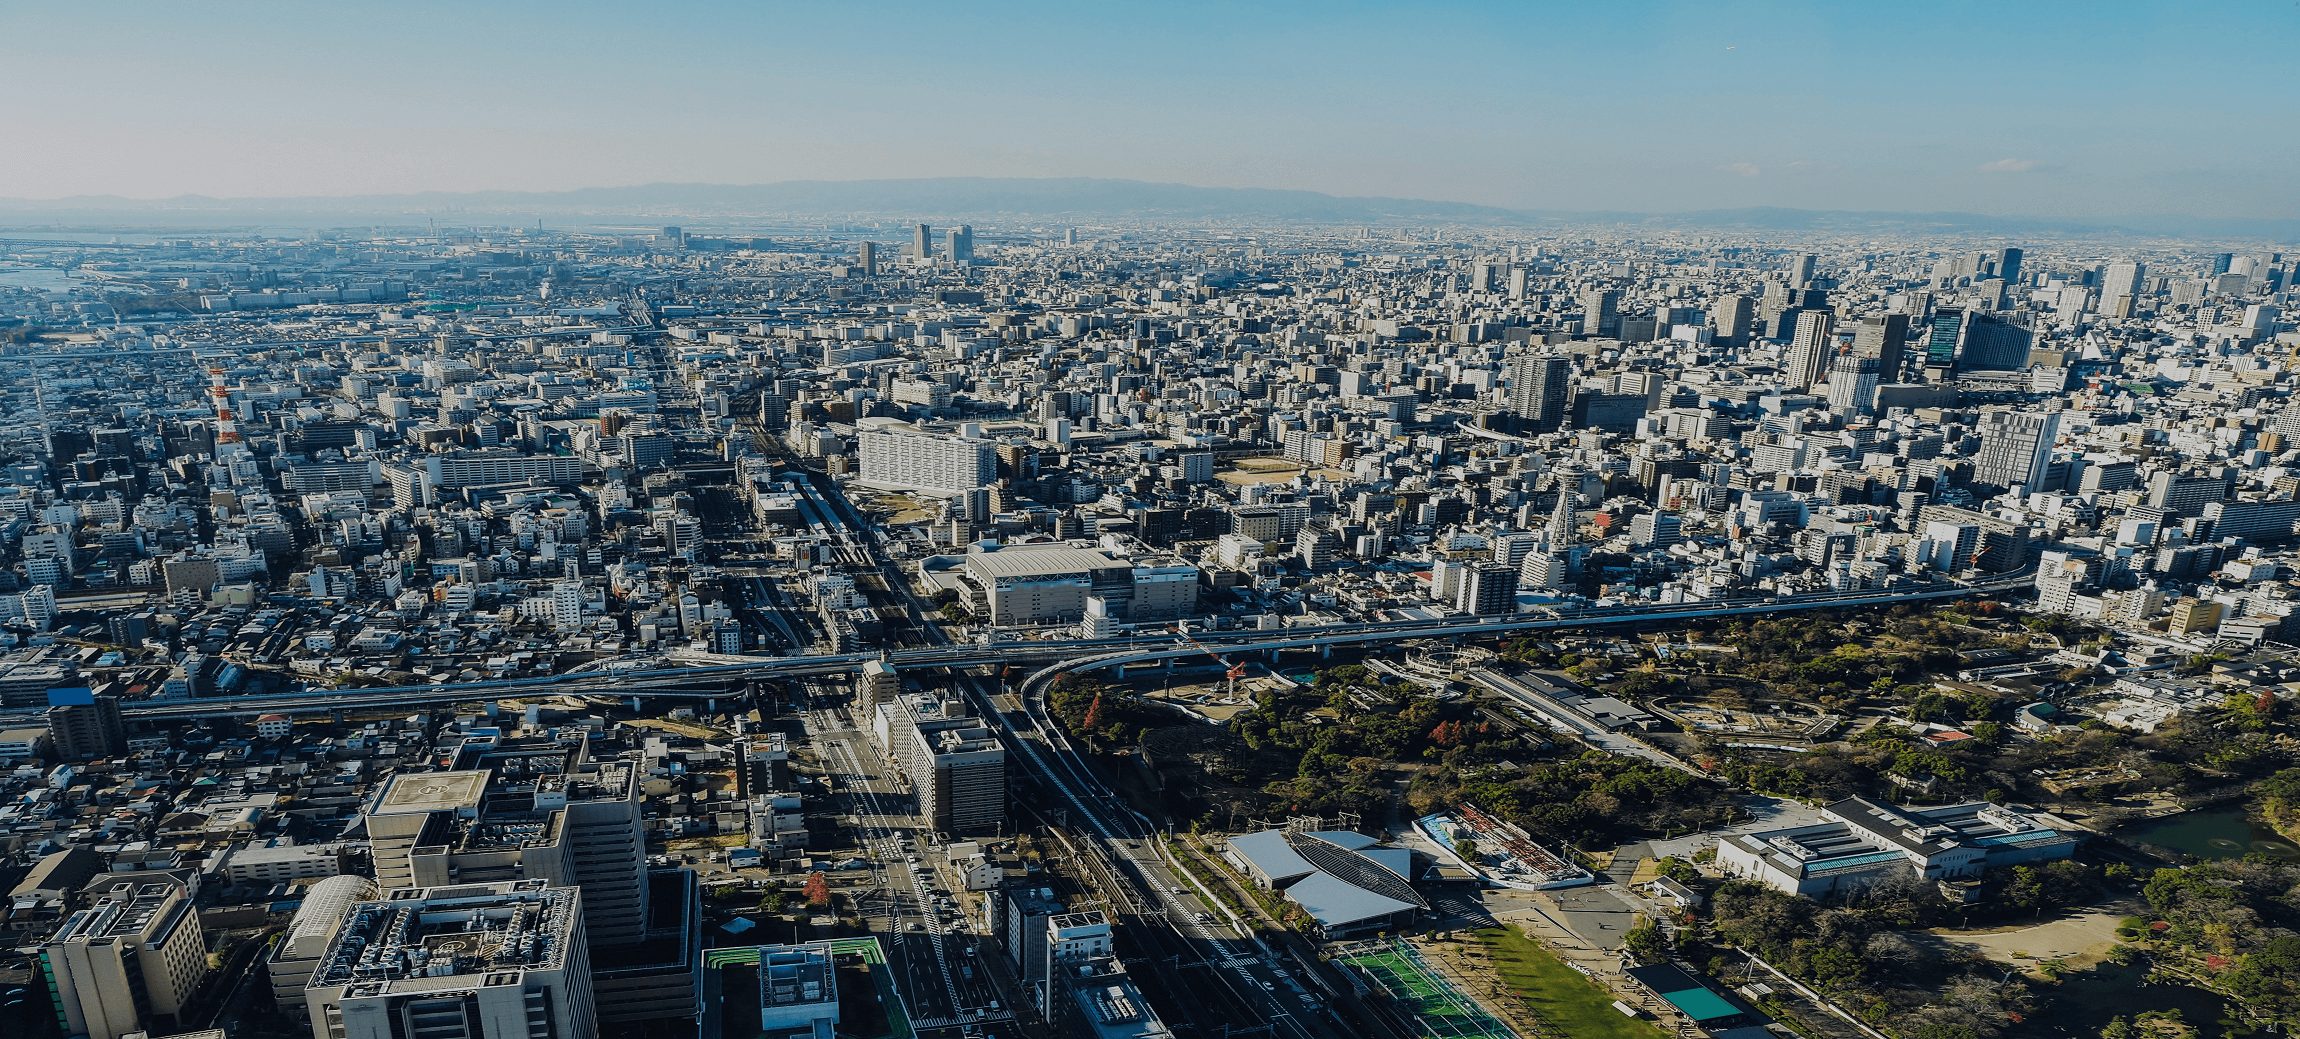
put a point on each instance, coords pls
(2214, 833)
(82, 237)
(40, 279)
(2083, 1003)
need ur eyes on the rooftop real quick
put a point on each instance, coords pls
(453, 931)
(1027, 561)
(432, 792)
(795, 975)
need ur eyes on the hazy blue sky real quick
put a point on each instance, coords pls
(2098, 108)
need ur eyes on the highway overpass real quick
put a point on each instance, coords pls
(709, 680)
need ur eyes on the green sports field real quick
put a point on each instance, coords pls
(1438, 1009)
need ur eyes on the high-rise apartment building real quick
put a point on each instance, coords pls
(2185, 494)
(930, 463)
(1734, 317)
(1488, 589)
(1853, 385)
(1811, 347)
(1540, 391)
(90, 730)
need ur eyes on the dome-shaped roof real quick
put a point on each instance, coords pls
(323, 910)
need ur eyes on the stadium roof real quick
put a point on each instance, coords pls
(1339, 877)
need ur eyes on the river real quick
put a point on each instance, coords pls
(43, 279)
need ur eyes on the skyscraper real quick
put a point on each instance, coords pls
(1539, 391)
(483, 821)
(1600, 312)
(2120, 279)
(2008, 265)
(1810, 348)
(2016, 447)
(1801, 270)
(1992, 345)
(1853, 384)
(867, 255)
(1883, 337)
(922, 243)
(1948, 328)
(962, 244)
(1733, 317)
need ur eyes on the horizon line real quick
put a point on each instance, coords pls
(2093, 222)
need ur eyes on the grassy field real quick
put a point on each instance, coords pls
(1565, 1000)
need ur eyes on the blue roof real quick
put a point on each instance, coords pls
(1336, 903)
(1701, 1004)
(1397, 860)
(1270, 854)
(1277, 859)
(1345, 878)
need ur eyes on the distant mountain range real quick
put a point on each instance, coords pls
(996, 199)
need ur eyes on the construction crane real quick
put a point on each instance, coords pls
(1231, 671)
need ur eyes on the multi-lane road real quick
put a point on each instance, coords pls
(653, 678)
(932, 951)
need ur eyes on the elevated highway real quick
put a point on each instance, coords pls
(651, 679)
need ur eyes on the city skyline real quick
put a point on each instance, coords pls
(1462, 520)
(2129, 111)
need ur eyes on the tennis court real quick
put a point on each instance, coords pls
(1438, 1009)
